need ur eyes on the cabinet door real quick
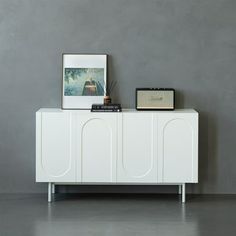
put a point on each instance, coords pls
(178, 147)
(54, 156)
(137, 158)
(96, 149)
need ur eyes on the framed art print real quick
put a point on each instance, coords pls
(84, 80)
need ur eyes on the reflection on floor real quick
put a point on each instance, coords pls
(103, 215)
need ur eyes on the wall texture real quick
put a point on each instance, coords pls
(189, 45)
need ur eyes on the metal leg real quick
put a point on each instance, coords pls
(53, 188)
(180, 187)
(49, 192)
(183, 193)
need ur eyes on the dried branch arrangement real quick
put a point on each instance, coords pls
(110, 87)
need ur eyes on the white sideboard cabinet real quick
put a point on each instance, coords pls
(130, 147)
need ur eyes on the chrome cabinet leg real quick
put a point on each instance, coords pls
(180, 187)
(53, 188)
(183, 193)
(49, 192)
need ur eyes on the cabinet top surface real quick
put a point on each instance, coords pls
(126, 110)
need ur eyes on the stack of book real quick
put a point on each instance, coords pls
(106, 108)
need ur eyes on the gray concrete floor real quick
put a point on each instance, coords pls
(117, 215)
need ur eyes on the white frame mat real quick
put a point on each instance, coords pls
(83, 61)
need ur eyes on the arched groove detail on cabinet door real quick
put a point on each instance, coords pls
(177, 150)
(96, 150)
(137, 142)
(55, 146)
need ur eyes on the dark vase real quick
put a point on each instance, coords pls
(107, 100)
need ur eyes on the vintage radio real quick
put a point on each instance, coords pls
(155, 99)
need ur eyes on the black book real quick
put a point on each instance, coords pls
(106, 108)
(103, 106)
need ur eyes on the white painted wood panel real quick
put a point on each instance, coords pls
(128, 147)
(97, 147)
(54, 152)
(137, 160)
(178, 148)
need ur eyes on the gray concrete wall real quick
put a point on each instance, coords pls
(189, 45)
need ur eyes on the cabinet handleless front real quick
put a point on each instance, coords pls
(55, 161)
(178, 148)
(137, 157)
(96, 147)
